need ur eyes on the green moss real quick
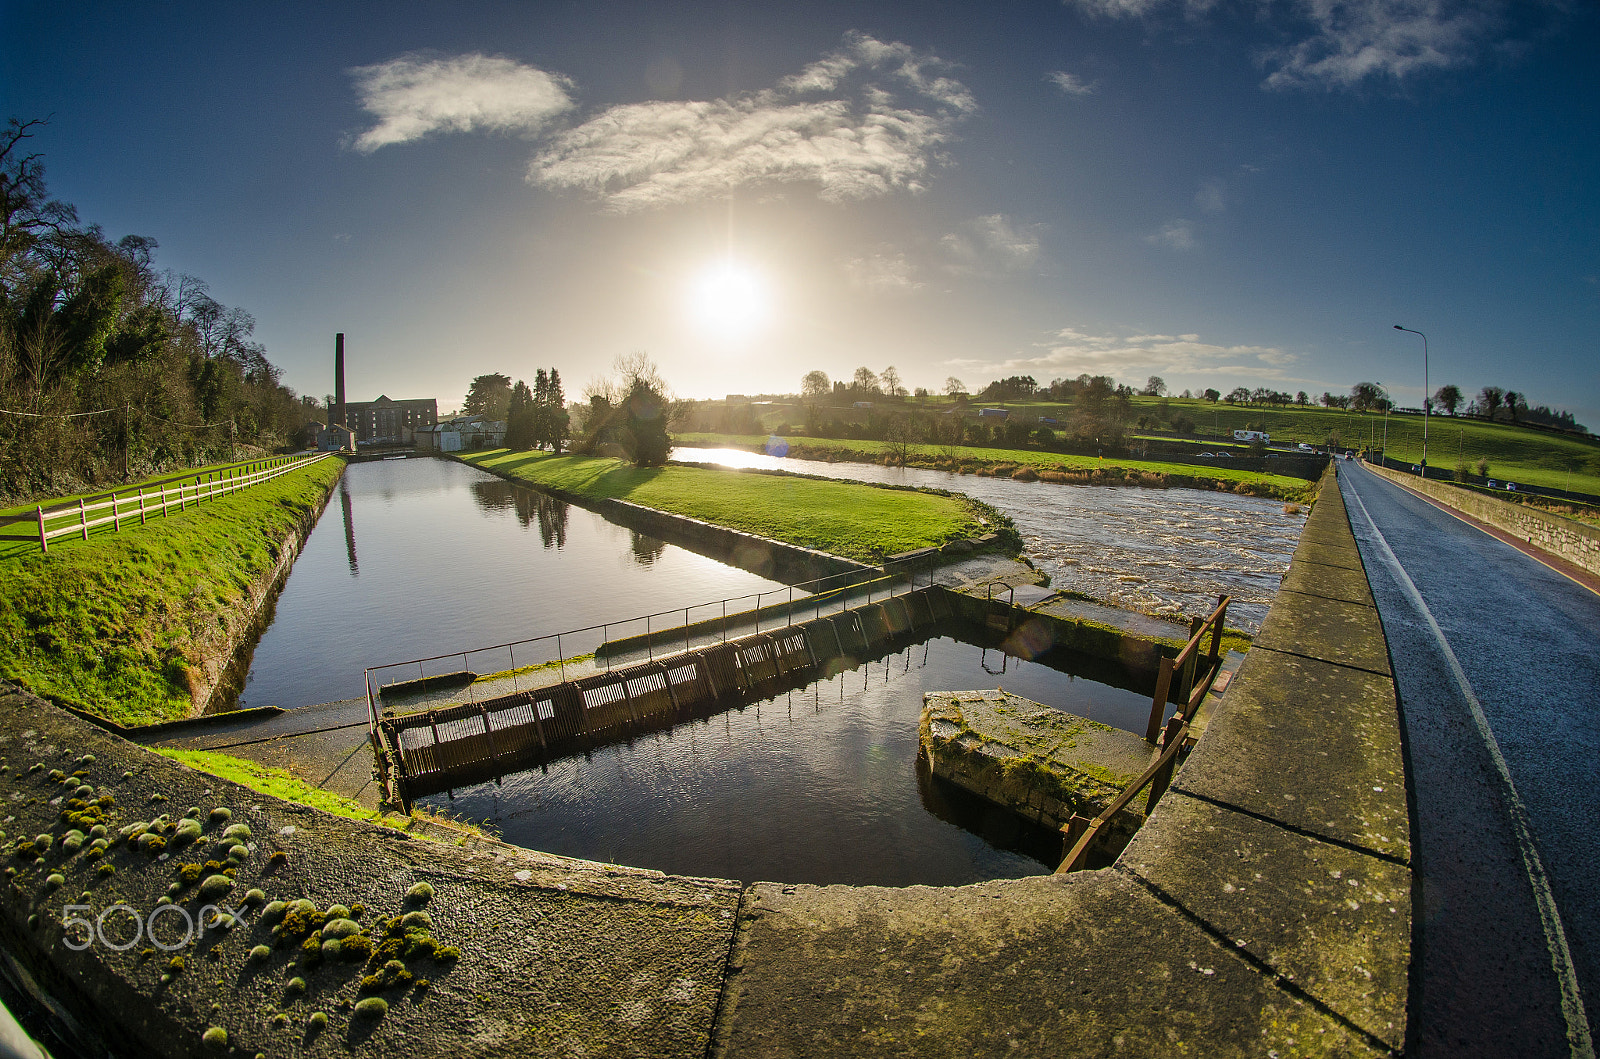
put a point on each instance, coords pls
(215, 1038)
(420, 893)
(318, 1020)
(215, 886)
(373, 1007)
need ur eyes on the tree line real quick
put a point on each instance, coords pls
(110, 368)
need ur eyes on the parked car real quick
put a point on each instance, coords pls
(1511, 487)
(1303, 447)
(1492, 484)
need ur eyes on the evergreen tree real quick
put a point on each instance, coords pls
(520, 419)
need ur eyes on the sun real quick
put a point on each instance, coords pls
(729, 300)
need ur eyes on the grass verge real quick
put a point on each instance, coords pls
(860, 522)
(121, 624)
(1042, 466)
(278, 783)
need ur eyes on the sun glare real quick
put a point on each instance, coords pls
(730, 300)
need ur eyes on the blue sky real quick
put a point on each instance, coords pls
(1221, 193)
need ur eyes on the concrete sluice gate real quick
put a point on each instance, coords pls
(453, 746)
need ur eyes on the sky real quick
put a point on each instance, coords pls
(1220, 192)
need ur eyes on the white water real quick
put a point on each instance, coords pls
(1161, 551)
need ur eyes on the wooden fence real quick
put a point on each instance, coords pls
(440, 748)
(147, 501)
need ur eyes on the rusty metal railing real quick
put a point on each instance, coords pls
(1080, 832)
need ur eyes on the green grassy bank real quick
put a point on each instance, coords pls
(856, 521)
(279, 783)
(1048, 466)
(118, 625)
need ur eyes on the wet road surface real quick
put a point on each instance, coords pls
(1497, 668)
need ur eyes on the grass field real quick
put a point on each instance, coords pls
(114, 624)
(1521, 454)
(856, 521)
(970, 459)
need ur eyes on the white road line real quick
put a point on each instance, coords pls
(1578, 1036)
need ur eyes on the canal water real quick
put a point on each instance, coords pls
(419, 557)
(1161, 551)
(820, 785)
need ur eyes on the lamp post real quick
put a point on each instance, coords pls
(1426, 402)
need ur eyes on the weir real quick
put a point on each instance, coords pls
(445, 747)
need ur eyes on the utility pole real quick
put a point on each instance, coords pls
(1427, 402)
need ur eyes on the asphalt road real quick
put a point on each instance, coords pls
(1498, 671)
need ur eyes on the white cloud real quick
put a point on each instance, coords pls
(884, 271)
(1343, 43)
(1071, 84)
(1212, 196)
(1353, 40)
(413, 96)
(1070, 352)
(992, 243)
(1178, 234)
(862, 121)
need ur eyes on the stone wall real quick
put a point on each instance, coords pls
(1576, 542)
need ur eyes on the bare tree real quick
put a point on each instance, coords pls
(866, 380)
(891, 382)
(953, 386)
(815, 385)
(900, 434)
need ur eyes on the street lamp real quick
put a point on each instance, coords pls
(1426, 402)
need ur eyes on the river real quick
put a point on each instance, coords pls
(1162, 551)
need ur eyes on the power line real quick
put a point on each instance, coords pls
(56, 415)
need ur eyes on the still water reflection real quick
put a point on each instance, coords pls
(420, 557)
(818, 785)
(1163, 551)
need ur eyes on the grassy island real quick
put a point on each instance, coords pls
(1027, 464)
(856, 521)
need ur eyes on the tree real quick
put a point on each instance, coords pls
(1368, 396)
(900, 433)
(1238, 395)
(954, 386)
(1448, 397)
(1154, 386)
(521, 427)
(488, 396)
(1489, 400)
(891, 382)
(815, 385)
(556, 422)
(1301, 399)
(1212, 395)
(1513, 403)
(866, 381)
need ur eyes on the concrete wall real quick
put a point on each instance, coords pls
(1576, 542)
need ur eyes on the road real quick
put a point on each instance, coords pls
(1498, 673)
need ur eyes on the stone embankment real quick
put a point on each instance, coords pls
(1263, 909)
(1576, 542)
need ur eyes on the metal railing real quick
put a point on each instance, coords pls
(828, 594)
(143, 502)
(439, 747)
(1080, 832)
